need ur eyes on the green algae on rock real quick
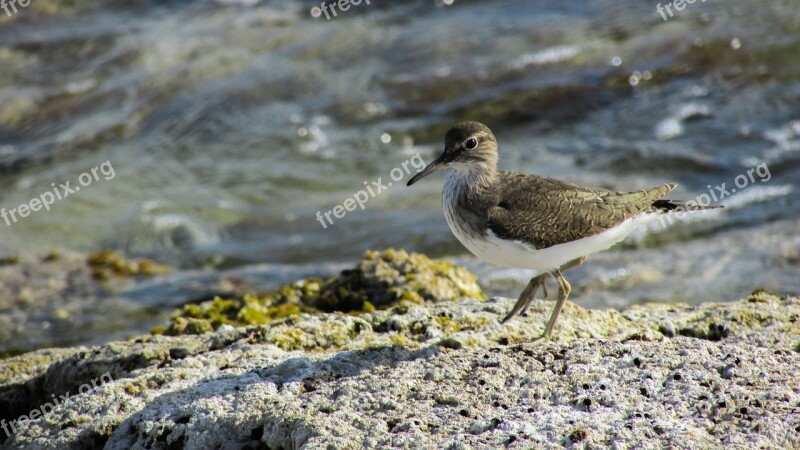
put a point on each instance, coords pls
(249, 310)
(385, 278)
(763, 313)
(379, 281)
(9, 260)
(106, 263)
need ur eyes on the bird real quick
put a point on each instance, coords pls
(527, 221)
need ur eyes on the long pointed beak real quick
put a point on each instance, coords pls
(437, 164)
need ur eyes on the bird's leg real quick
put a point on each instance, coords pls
(527, 295)
(563, 292)
(572, 264)
(543, 284)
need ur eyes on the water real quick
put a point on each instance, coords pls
(229, 125)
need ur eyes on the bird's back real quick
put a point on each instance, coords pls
(543, 211)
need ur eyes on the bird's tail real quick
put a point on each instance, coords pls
(680, 205)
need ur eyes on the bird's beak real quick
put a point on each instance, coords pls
(437, 164)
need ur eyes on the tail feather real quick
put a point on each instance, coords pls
(680, 205)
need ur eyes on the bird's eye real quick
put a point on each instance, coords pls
(471, 143)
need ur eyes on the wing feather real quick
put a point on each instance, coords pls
(543, 211)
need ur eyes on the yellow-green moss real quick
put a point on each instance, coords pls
(473, 342)
(473, 323)
(400, 339)
(9, 260)
(448, 325)
(762, 295)
(248, 310)
(52, 256)
(380, 280)
(107, 263)
(255, 313)
(385, 278)
(9, 353)
(136, 387)
(183, 325)
(17, 363)
(290, 339)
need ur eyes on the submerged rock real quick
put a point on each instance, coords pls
(431, 375)
(107, 263)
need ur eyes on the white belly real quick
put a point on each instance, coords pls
(519, 254)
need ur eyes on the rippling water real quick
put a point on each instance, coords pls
(230, 124)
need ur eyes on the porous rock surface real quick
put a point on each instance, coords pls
(430, 375)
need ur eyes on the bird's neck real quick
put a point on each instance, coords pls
(473, 185)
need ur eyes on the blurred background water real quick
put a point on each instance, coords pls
(230, 124)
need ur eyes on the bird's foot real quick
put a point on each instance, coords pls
(527, 296)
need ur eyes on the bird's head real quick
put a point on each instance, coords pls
(468, 146)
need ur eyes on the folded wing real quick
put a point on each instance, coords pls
(543, 212)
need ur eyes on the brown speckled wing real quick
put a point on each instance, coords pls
(544, 212)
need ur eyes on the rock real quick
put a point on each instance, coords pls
(763, 319)
(58, 299)
(430, 375)
(380, 280)
(385, 278)
(72, 299)
(106, 264)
